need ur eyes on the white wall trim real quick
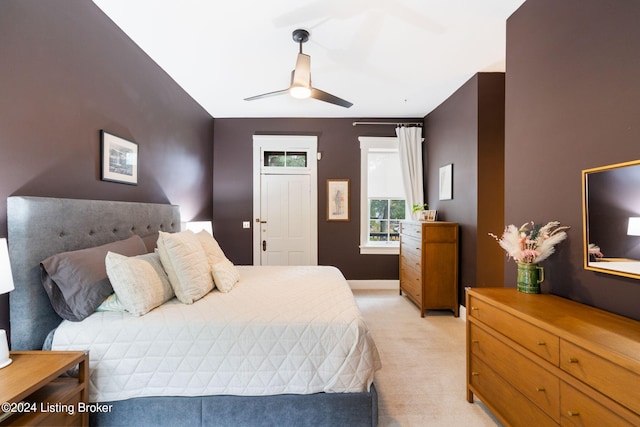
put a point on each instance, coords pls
(374, 284)
(366, 143)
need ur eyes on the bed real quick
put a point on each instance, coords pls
(308, 381)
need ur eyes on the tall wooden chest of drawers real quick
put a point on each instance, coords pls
(429, 264)
(544, 360)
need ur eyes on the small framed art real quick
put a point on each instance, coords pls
(431, 215)
(446, 182)
(338, 200)
(119, 159)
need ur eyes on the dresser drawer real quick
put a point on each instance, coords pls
(578, 409)
(411, 282)
(411, 253)
(601, 374)
(538, 384)
(411, 229)
(505, 399)
(440, 232)
(534, 339)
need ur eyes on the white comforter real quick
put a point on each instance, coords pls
(294, 330)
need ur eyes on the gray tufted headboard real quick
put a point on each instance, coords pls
(39, 227)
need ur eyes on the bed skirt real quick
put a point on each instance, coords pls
(313, 410)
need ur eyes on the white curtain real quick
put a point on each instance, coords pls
(410, 150)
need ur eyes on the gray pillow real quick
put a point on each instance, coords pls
(77, 281)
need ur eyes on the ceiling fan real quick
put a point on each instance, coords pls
(301, 79)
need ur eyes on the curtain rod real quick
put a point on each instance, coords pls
(387, 123)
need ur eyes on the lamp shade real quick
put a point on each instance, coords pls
(634, 226)
(6, 278)
(197, 226)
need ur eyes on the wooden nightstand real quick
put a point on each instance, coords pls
(34, 386)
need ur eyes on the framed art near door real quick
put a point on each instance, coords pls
(338, 200)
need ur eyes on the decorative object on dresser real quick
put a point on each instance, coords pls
(35, 389)
(544, 360)
(429, 264)
(529, 245)
(419, 211)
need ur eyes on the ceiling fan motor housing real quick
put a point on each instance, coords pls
(300, 35)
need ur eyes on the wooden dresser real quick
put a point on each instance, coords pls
(539, 360)
(429, 264)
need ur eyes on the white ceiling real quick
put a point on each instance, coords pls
(390, 58)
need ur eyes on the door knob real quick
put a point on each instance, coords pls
(264, 246)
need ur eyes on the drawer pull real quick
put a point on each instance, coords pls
(573, 413)
(540, 389)
(573, 360)
(475, 308)
(475, 374)
(541, 343)
(475, 341)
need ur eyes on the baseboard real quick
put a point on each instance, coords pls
(374, 284)
(390, 285)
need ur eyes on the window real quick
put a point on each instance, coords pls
(383, 202)
(384, 219)
(285, 159)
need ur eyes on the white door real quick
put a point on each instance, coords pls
(285, 200)
(285, 220)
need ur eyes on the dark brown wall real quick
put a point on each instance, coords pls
(67, 71)
(233, 189)
(467, 130)
(572, 103)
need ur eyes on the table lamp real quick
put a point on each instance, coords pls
(6, 285)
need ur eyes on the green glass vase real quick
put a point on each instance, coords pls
(529, 278)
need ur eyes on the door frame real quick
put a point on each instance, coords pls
(286, 143)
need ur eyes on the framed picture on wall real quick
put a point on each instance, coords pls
(119, 159)
(338, 200)
(446, 182)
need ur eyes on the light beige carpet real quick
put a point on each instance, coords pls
(422, 380)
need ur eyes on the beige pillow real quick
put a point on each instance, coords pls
(186, 264)
(139, 282)
(225, 275)
(211, 247)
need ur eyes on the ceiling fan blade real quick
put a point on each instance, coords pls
(268, 94)
(327, 97)
(302, 73)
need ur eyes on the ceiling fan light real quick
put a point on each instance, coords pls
(300, 92)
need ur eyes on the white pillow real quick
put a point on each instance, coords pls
(225, 275)
(139, 282)
(186, 265)
(211, 248)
